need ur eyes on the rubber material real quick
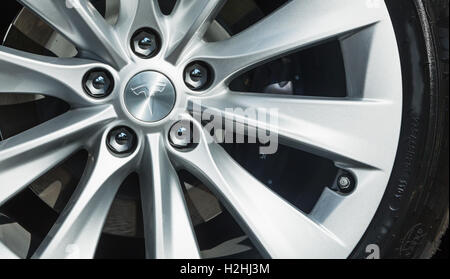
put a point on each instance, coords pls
(413, 214)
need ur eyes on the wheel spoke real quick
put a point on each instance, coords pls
(22, 72)
(334, 128)
(348, 131)
(5, 253)
(27, 156)
(188, 21)
(81, 23)
(168, 229)
(136, 14)
(277, 228)
(315, 21)
(332, 210)
(78, 228)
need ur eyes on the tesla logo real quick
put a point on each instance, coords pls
(149, 92)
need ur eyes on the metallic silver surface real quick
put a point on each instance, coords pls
(149, 96)
(122, 141)
(344, 182)
(180, 135)
(359, 133)
(196, 76)
(98, 84)
(144, 44)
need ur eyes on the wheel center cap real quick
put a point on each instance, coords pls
(149, 96)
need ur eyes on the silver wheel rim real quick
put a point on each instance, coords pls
(359, 133)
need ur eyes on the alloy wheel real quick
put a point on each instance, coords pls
(348, 131)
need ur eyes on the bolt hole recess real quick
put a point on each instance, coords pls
(145, 43)
(122, 141)
(198, 75)
(181, 135)
(98, 83)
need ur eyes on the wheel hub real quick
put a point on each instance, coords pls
(149, 96)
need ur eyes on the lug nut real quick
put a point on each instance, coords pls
(345, 183)
(98, 83)
(122, 141)
(181, 135)
(197, 76)
(145, 43)
(122, 137)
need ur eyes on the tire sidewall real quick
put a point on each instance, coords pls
(414, 208)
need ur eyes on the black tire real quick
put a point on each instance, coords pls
(413, 214)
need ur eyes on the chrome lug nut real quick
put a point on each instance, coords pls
(122, 141)
(145, 43)
(122, 137)
(197, 76)
(181, 135)
(98, 83)
(345, 183)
